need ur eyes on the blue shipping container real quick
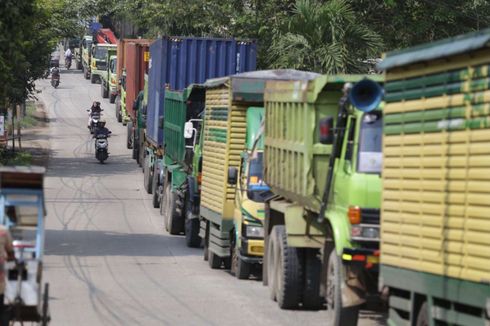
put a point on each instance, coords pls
(177, 62)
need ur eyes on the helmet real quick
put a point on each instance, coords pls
(101, 123)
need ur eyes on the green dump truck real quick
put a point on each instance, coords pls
(108, 79)
(138, 137)
(177, 177)
(101, 53)
(322, 160)
(233, 192)
(84, 54)
(435, 222)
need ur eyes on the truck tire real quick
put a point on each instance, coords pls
(86, 74)
(239, 268)
(155, 184)
(141, 153)
(214, 260)
(104, 92)
(135, 152)
(192, 226)
(79, 65)
(289, 273)
(336, 314)
(92, 78)
(313, 271)
(129, 135)
(112, 98)
(271, 262)
(206, 243)
(170, 210)
(147, 175)
(423, 315)
(118, 109)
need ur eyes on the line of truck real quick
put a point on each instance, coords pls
(336, 190)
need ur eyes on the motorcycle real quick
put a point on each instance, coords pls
(94, 120)
(55, 80)
(102, 147)
(67, 62)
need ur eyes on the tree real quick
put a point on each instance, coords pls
(324, 37)
(26, 40)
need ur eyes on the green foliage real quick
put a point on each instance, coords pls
(324, 37)
(26, 41)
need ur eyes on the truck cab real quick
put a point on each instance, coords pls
(326, 210)
(251, 192)
(108, 80)
(121, 99)
(99, 60)
(86, 52)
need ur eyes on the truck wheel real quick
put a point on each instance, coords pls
(146, 175)
(171, 210)
(313, 271)
(141, 153)
(289, 271)
(239, 268)
(79, 65)
(129, 135)
(103, 90)
(86, 74)
(155, 184)
(336, 314)
(271, 262)
(423, 315)
(206, 243)
(214, 260)
(192, 225)
(135, 152)
(92, 78)
(112, 98)
(118, 109)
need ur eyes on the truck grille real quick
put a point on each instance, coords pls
(370, 216)
(101, 65)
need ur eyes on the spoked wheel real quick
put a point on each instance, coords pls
(336, 314)
(45, 317)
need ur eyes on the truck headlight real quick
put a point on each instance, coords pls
(253, 231)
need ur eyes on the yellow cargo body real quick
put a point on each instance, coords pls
(224, 141)
(436, 175)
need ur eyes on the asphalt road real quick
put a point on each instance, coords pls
(108, 259)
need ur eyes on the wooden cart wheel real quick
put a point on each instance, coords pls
(45, 318)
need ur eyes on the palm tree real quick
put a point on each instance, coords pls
(326, 38)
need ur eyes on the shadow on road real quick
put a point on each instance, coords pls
(87, 243)
(85, 165)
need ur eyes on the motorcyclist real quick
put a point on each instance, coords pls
(95, 109)
(68, 55)
(101, 129)
(55, 72)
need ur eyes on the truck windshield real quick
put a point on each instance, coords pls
(257, 190)
(100, 53)
(370, 155)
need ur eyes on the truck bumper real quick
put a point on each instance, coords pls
(368, 258)
(252, 250)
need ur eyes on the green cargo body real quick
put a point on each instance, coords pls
(435, 224)
(182, 106)
(296, 163)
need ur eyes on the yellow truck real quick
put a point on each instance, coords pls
(232, 190)
(435, 221)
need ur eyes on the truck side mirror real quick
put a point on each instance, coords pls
(326, 130)
(188, 130)
(232, 176)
